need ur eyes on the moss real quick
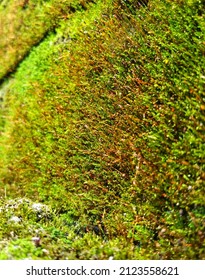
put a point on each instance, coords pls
(31, 23)
(104, 125)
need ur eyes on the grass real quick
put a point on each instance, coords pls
(103, 126)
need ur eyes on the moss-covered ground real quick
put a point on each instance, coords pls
(102, 139)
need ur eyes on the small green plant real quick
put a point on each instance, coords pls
(104, 126)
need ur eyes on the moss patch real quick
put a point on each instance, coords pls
(105, 126)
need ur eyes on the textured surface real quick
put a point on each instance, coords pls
(102, 130)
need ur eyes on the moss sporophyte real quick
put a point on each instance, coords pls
(102, 129)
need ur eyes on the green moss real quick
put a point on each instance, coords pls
(105, 126)
(31, 23)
